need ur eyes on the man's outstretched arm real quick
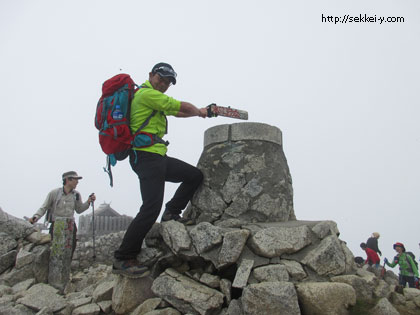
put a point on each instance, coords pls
(189, 110)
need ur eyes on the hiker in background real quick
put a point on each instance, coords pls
(408, 270)
(372, 256)
(153, 167)
(62, 202)
(372, 242)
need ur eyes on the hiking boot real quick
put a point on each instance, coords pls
(130, 268)
(167, 216)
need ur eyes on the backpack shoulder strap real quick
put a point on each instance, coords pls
(50, 211)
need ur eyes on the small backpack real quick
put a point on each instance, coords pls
(414, 259)
(112, 119)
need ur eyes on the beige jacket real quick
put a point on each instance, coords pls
(58, 204)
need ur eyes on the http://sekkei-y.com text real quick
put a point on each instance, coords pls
(361, 18)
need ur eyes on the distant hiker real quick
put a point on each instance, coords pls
(372, 242)
(153, 167)
(408, 269)
(372, 256)
(62, 202)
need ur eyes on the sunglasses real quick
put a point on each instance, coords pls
(166, 69)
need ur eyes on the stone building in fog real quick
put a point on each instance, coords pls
(106, 219)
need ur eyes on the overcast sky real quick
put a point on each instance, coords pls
(344, 95)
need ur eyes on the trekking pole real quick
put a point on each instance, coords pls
(383, 271)
(93, 227)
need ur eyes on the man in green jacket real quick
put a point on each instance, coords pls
(149, 109)
(408, 269)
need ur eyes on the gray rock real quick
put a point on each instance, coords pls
(175, 236)
(42, 295)
(210, 280)
(397, 299)
(247, 254)
(73, 304)
(348, 258)
(35, 237)
(233, 185)
(294, 269)
(7, 260)
(105, 306)
(325, 228)
(411, 293)
(5, 289)
(242, 274)
(164, 311)
(45, 311)
(275, 241)
(384, 307)
(7, 243)
(327, 258)
(205, 236)
(23, 286)
(17, 275)
(88, 309)
(270, 298)
(103, 291)
(271, 273)
(363, 289)
(233, 244)
(24, 258)
(147, 306)
(226, 288)
(235, 308)
(324, 298)
(41, 263)
(14, 227)
(129, 293)
(187, 295)
(382, 290)
(16, 310)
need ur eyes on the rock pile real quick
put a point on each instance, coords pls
(246, 253)
(186, 282)
(105, 246)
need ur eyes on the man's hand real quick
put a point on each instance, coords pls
(91, 198)
(203, 112)
(33, 220)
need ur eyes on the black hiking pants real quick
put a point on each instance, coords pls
(153, 170)
(403, 280)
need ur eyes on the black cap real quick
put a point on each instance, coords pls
(165, 70)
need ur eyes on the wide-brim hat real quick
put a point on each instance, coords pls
(71, 174)
(399, 245)
(165, 70)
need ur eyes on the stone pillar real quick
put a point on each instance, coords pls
(246, 176)
(60, 255)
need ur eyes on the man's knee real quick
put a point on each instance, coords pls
(198, 176)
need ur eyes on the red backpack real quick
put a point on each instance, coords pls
(113, 114)
(112, 119)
